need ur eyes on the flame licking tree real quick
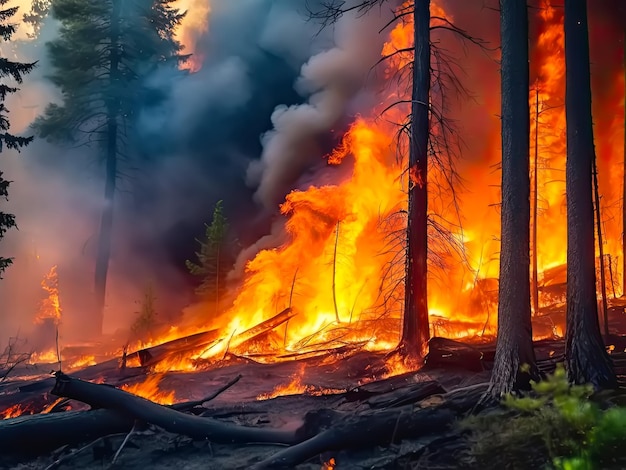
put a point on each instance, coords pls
(415, 329)
(514, 344)
(14, 70)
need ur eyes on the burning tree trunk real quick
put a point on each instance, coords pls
(415, 328)
(586, 357)
(514, 350)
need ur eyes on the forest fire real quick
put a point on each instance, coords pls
(348, 289)
(312, 307)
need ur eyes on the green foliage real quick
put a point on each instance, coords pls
(557, 426)
(13, 71)
(39, 10)
(101, 58)
(213, 258)
(147, 315)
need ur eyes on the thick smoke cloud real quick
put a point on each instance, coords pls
(271, 87)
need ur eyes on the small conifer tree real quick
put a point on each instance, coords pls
(213, 257)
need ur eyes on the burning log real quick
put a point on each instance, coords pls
(104, 396)
(154, 354)
(265, 326)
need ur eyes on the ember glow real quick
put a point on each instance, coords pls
(297, 387)
(15, 411)
(50, 306)
(150, 390)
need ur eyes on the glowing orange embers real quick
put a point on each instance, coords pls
(15, 411)
(297, 387)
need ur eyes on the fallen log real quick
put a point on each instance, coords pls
(42, 433)
(328, 430)
(263, 327)
(406, 395)
(104, 396)
(380, 428)
(189, 405)
(154, 354)
(447, 353)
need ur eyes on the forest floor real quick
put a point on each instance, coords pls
(349, 386)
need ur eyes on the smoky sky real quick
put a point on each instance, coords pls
(274, 94)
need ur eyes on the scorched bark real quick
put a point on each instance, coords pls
(586, 357)
(515, 358)
(415, 328)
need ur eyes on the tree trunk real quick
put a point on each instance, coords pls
(106, 222)
(415, 328)
(586, 357)
(514, 348)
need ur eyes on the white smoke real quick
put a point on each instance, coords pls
(333, 79)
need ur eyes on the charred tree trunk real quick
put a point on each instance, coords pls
(106, 222)
(586, 357)
(514, 348)
(415, 328)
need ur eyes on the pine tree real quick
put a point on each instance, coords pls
(214, 259)
(515, 358)
(104, 52)
(585, 355)
(13, 71)
(415, 326)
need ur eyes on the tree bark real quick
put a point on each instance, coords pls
(105, 396)
(106, 223)
(380, 428)
(514, 348)
(586, 358)
(415, 327)
(42, 433)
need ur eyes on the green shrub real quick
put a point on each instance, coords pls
(558, 426)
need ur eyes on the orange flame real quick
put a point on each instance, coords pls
(149, 389)
(341, 271)
(296, 387)
(15, 411)
(50, 307)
